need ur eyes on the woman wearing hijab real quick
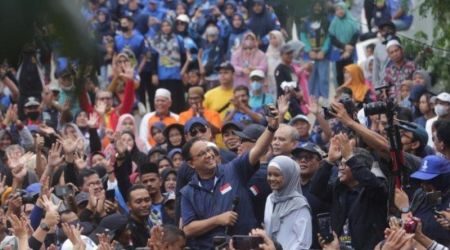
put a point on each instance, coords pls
(238, 30)
(276, 41)
(314, 35)
(354, 80)
(212, 51)
(287, 216)
(127, 122)
(344, 33)
(170, 48)
(246, 59)
(262, 21)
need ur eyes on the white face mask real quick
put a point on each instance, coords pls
(440, 110)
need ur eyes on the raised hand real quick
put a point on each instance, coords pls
(69, 145)
(156, 240)
(283, 105)
(39, 142)
(74, 234)
(19, 226)
(100, 107)
(54, 155)
(127, 74)
(46, 129)
(80, 163)
(120, 146)
(346, 146)
(3, 186)
(49, 206)
(334, 151)
(93, 120)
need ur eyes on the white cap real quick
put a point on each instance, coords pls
(393, 42)
(299, 118)
(444, 96)
(163, 93)
(258, 73)
(32, 101)
(183, 18)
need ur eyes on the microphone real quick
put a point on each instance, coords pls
(233, 208)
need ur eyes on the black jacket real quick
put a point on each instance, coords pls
(366, 213)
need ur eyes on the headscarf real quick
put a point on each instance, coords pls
(344, 28)
(357, 83)
(241, 29)
(367, 71)
(167, 47)
(261, 24)
(426, 76)
(289, 197)
(119, 128)
(272, 51)
(244, 42)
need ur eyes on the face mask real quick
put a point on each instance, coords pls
(255, 85)
(440, 110)
(33, 115)
(124, 28)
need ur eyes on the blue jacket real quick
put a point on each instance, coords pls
(135, 43)
(198, 203)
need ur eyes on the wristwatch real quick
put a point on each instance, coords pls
(44, 226)
(405, 210)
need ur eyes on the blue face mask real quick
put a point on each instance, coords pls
(255, 85)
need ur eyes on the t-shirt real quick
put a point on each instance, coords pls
(218, 99)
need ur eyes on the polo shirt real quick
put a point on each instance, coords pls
(210, 115)
(230, 181)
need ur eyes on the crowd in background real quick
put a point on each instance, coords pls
(207, 118)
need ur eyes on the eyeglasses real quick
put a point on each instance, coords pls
(194, 131)
(105, 98)
(122, 61)
(247, 48)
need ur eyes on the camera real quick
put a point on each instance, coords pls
(348, 104)
(28, 197)
(375, 108)
(410, 226)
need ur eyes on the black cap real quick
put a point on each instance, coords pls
(232, 124)
(309, 147)
(226, 65)
(251, 133)
(111, 225)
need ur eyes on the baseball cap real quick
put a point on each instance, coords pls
(258, 73)
(418, 131)
(299, 118)
(163, 93)
(226, 65)
(183, 18)
(170, 197)
(236, 125)
(32, 101)
(110, 225)
(251, 133)
(309, 147)
(444, 96)
(191, 122)
(431, 167)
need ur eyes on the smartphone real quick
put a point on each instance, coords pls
(268, 110)
(324, 222)
(62, 191)
(110, 195)
(245, 242)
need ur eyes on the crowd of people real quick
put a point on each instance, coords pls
(205, 127)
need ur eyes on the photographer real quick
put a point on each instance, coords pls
(431, 198)
(358, 198)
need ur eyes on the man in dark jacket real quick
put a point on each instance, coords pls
(358, 198)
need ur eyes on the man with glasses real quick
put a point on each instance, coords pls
(207, 200)
(308, 156)
(196, 109)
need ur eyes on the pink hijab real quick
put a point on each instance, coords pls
(139, 143)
